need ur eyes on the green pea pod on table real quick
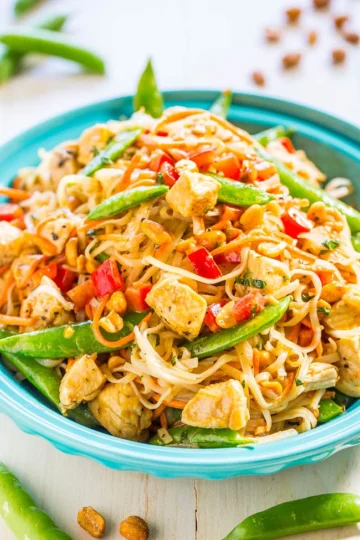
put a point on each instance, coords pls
(112, 151)
(300, 188)
(211, 344)
(147, 94)
(23, 6)
(295, 517)
(240, 194)
(51, 343)
(222, 104)
(272, 134)
(10, 61)
(202, 438)
(20, 513)
(124, 201)
(34, 40)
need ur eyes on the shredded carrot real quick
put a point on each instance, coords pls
(69, 364)
(163, 421)
(175, 403)
(126, 178)
(175, 116)
(3, 269)
(91, 224)
(158, 412)
(287, 388)
(47, 247)
(19, 223)
(30, 271)
(15, 194)
(8, 281)
(9, 320)
(88, 311)
(294, 333)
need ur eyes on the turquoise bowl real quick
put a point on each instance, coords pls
(334, 146)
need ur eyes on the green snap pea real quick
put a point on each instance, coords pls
(300, 188)
(240, 194)
(20, 513)
(356, 241)
(202, 438)
(222, 104)
(172, 415)
(272, 134)
(328, 410)
(112, 151)
(124, 201)
(343, 400)
(147, 94)
(51, 343)
(225, 339)
(10, 61)
(33, 40)
(303, 515)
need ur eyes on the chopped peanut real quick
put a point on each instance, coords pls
(351, 37)
(272, 35)
(117, 303)
(224, 317)
(312, 37)
(112, 323)
(321, 4)
(258, 78)
(340, 20)
(211, 239)
(291, 60)
(92, 522)
(293, 15)
(156, 232)
(338, 56)
(71, 251)
(134, 528)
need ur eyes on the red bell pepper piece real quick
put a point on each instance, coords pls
(107, 278)
(287, 144)
(203, 157)
(204, 264)
(248, 306)
(9, 211)
(164, 164)
(295, 223)
(210, 317)
(64, 278)
(82, 294)
(232, 257)
(136, 296)
(229, 165)
(49, 271)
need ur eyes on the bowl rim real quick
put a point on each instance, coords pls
(33, 416)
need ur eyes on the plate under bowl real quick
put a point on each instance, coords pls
(334, 146)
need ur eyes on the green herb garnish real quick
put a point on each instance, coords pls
(330, 245)
(324, 310)
(298, 382)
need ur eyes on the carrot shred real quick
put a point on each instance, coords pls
(3, 269)
(15, 194)
(9, 320)
(8, 281)
(163, 421)
(174, 403)
(158, 412)
(47, 247)
(289, 384)
(126, 178)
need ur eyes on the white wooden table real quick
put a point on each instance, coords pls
(195, 44)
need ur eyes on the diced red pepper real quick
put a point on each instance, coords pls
(136, 296)
(64, 278)
(9, 211)
(210, 317)
(325, 276)
(203, 157)
(164, 164)
(159, 157)
(229, 165)
(232, 257)
(82, 294)
(49, 271)
(248, 306)
(204, 264)
(295, 223)
(107, 278)
(162, 133)
(287, 144)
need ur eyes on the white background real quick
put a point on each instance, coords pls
(194, 44)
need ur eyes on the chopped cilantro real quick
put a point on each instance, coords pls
(330, 245)
(253, 311)
(248, 281)
(160, 178)
(174, 360)
(298, 382)
(95, 151)
(305, 297)
(324, 310)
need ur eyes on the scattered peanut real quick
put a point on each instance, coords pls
(211, 239)
(258, 78)
(321, 4)
(340, 20)
(293, 15)
(312, 37)
(134, 528)
(117, 303)
(351, 37)
(291, 60)
(338, 56)
(71, 251)
(272, 35)
(92, 522)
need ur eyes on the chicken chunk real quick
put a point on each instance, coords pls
(119, 410)
(58, 227)
(320, 375)
(274, 273)
(92, 140)
(345, 314)
(194, 194)
(46, 306)
(81, 382)
(221, 405)
(10, 243)
(56, 164)
(178, 306)
(349, 366)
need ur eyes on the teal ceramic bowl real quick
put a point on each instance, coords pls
(335, 146)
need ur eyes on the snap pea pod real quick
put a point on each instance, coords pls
(112, 151)
(343, 400)
(10, 61)
(272, 134)
(240, 194)
(20, 513)
(356, 241)
(22, 6)
(222, 104)
(202, 438)
(121, 202)
(328, 410)
(52, 343)
(298, 187)
(211, 344)
(147, 94)
(34, 40)
(295, 517)
(172, 415)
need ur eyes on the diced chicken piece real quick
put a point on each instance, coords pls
(221, 405)
(320, 375)
(54, 165)
(345, 314)
(82, 381)
(274, 273)
(10, 243)
(178, 306)
(194, 194)
(47, 306)
(349, 366)
(92, 140)
(119, 410)
(58, 227)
